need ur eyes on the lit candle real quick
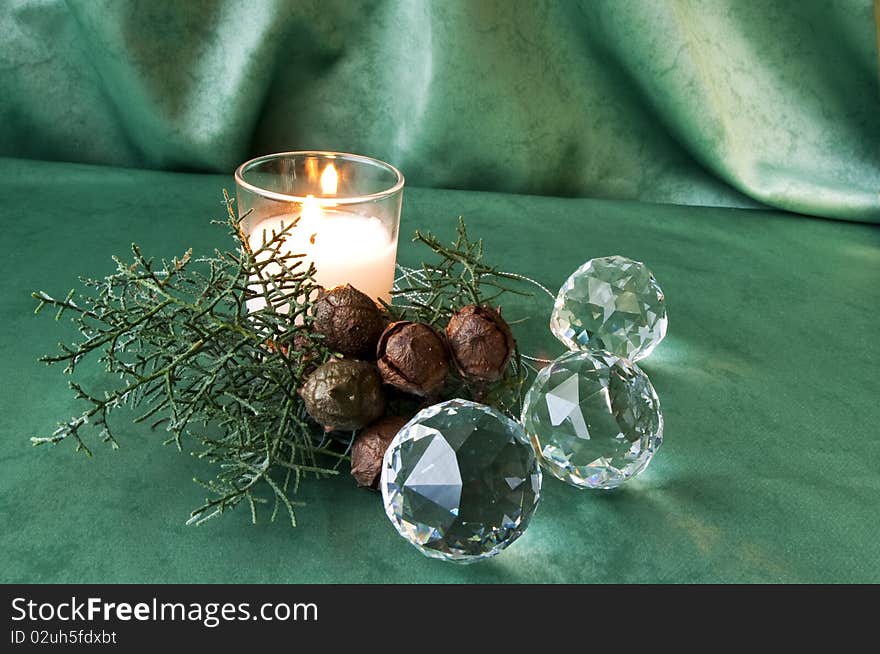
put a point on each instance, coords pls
(345, 247)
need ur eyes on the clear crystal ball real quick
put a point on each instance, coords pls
(595, 418)
(612, 304)
(460, 481)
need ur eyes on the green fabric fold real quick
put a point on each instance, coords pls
(732, 102)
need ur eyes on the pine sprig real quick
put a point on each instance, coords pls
(435, 291)
(459, 277)
(193, 359)
(213, 350)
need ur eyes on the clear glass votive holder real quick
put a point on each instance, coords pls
(348, 208)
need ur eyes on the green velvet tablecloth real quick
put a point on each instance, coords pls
(768, 381)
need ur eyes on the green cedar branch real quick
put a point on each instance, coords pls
(190, 356)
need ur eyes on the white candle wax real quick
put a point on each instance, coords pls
(346, 248)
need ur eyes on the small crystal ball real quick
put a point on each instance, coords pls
(612, 304)
(460, 481)
(595, 418)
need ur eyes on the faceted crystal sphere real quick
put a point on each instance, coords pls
(611, 304)
(460, 481)
(595, 418)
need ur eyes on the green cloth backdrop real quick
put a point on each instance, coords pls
(496, 111)
(712, 102)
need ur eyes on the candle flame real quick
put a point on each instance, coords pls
(329, 180)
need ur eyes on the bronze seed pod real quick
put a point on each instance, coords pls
(481, 343)
(350, 321)
(412, 357)
(344, 394)
(369, 449)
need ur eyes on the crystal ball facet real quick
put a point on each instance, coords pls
(595, 418)
(460, 481)
(612, 304)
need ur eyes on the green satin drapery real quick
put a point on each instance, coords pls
(721, 102)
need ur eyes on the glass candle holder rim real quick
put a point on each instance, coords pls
(336, 200)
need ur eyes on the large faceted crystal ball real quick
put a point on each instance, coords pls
(460, 481)
(595, 419)
(612, 304)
